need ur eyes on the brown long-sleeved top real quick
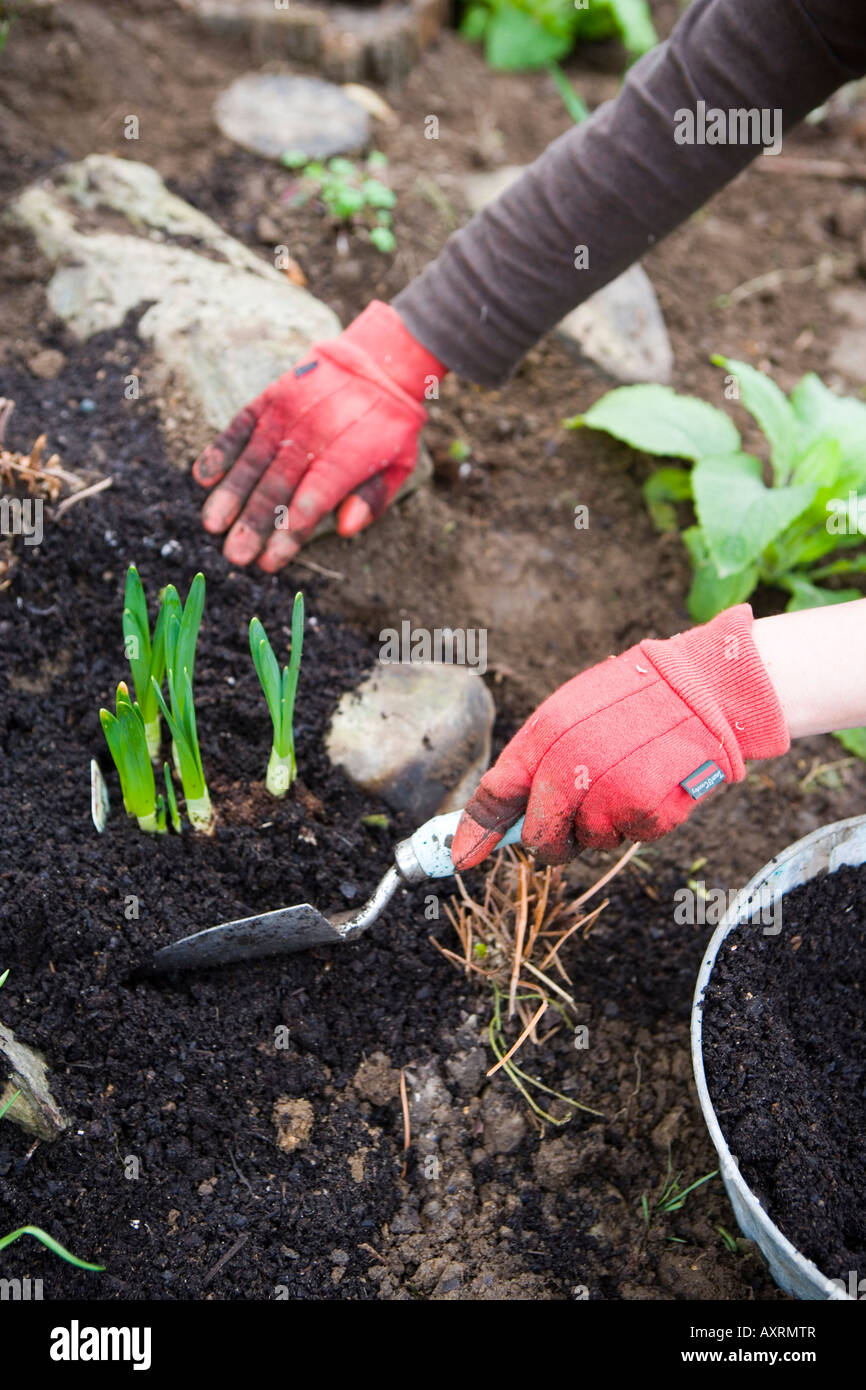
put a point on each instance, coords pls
(620, 181)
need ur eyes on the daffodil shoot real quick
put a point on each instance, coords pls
(146, 657)
(127, 743)
(279, 689)
(180, 637)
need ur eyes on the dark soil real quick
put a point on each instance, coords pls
(785, 1056)
(184, 1075)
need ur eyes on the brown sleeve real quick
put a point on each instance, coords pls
(619, 182)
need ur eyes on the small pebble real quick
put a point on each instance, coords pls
(86, 405)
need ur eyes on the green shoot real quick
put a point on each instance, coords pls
(280, 694)
(171, 799)
(352, 194)
(127, 742)
(673, 1196)
(146, 659)
(53, 1245)
(181, 634)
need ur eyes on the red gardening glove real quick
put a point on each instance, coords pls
(340, 427)
(628, 747)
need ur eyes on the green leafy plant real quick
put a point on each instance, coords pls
(746, 533)
(351, 193)
(36, 1231)
(535, 33)
(280, 688)
(146, 657)
(182, 624)
(127, 743)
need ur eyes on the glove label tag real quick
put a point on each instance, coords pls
(702, 780)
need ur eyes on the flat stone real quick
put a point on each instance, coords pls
(347, 43)
(25, 1070)
(222, 323)
(848, 348)
(269, 113)
(416, 734)
(621, 327)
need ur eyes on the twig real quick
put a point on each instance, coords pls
(824, 268)
(519, 933)
(407, 1132)
(74, 497)
(812, 168)
(224, 1259)
(318, 569)
(522, 1039)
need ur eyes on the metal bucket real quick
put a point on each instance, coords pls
(825, 850)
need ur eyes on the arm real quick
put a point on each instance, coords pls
(620, 182)
(628, 748)
(816, 661)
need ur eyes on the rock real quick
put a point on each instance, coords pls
(293, 1119)
(47, 364)
(848, 349)
(221, 322)
(504, 1127)
(622, 330)
(416, 734)
(25, 1070)
(269, 113)
(346, 42)
(666, 1130)
(466, 1071)
(621, 327)
(376, 1080)
(557, 1164)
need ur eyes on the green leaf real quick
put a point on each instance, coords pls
(854, 740)
(805, 594)
(343, 200)
(384, 240)
(474, 22)
(513, 39)
(821, 463)
(821, 412)
(293, 159)
(124, 734)
(630, 20)
(571, 99)
(268, 671)
(664, 487)
(738, 515)
(51, 1244)
(769, 405)
(183, 656)
(656, 420)
(377, 160)
(343, 168)
(378, 194)
(711, 592)
(856, 565)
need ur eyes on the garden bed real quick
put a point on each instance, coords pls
(785, 1055)
(183, 1075)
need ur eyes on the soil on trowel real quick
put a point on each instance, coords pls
(785, 1057)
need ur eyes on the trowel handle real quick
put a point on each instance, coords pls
(427, 853)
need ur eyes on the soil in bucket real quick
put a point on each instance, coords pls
(785, 1058)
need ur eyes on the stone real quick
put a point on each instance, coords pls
(557, 1164)
(25, 1070)
(293, 1119)
(504, 1127)
(415, 734)
(848, 348)
(221, 322)
(376, 1080)
(347, 43)
(269, 113)
(46, 364)
(621, 327)
(666, 1130)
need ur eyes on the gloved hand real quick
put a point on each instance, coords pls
(340, 427)
(628, 747)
